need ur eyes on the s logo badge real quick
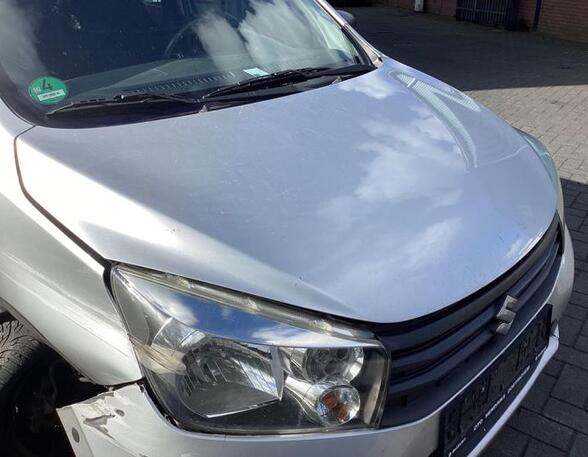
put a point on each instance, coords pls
(506, 315)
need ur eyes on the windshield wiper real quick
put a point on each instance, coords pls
(261, 87)
(285, 78)
(122, 101)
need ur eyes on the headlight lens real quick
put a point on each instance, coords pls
(545, 156)
(224, 362)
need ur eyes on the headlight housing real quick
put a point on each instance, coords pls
(545, 156)
(224, 362)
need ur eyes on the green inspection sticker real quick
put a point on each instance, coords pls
(48, 90)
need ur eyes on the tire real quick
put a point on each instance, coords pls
(20, 353)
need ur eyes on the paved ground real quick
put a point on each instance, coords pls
(539, 85)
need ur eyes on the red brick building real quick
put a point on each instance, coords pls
(566, 19)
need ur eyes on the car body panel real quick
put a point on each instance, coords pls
(382, 198)
(52, 284)
(10, 124)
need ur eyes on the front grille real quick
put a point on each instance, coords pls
(435, 356)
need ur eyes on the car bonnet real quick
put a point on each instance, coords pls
(382, 198)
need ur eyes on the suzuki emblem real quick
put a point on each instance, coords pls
(506, 315)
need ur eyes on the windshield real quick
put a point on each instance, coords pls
(56, 52)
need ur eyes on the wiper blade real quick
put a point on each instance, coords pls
(287, 77)
(122, 100)
(273, 85)
(349, 70)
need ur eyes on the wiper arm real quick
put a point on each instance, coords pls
(287, 77)
(122, 100)
(244, 91)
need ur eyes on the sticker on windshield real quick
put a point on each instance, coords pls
(256, 72)
(48, 90)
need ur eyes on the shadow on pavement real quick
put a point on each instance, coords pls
(472, 57)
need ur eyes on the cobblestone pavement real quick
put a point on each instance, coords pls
(541, 86)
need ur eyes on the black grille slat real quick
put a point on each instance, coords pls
(434, 356)
(538, 280)
(440, 370)
(530, 276)
(427, 357)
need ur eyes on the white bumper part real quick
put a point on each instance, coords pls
(125, 422)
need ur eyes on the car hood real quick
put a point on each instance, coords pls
(382, 198)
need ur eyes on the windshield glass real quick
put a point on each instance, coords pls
(57, 52)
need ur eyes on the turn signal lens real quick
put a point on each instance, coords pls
(329, 403)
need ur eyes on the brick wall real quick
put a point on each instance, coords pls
(527, 14)
(407, 4)
(565, 18)
(443, 7)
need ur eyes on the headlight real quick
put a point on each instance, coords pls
(224, 362)
(545, 156)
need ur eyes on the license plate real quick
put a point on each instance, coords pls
(469, 417)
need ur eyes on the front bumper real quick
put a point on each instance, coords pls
(125, 422)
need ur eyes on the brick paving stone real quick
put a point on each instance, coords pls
(580, 447)
(540, 392)
(578, 298)
(576, 312)
(569, 330)
(508, 443)
(569, 415)
(572, 356)
(539, 449)
(581, 247)
(553, 367)
(585, 329)
(541, 86)
(573, 222)
(581, 284)
(572, 386)
(552, 432)
(582, 344)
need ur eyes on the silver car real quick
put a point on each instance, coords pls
(233, 228)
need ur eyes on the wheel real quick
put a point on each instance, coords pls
(29, 426)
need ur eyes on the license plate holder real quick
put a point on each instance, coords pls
(466, 420)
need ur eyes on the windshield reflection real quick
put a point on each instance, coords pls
(18, 54)
(96, 50)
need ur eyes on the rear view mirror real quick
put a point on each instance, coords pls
(348, 17)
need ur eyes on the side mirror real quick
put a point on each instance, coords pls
(348, 17)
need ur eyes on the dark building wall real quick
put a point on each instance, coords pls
(527, 14)
(443, 7)
(565, 18)
(407, 4)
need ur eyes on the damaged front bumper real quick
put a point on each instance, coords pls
(126, 423)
